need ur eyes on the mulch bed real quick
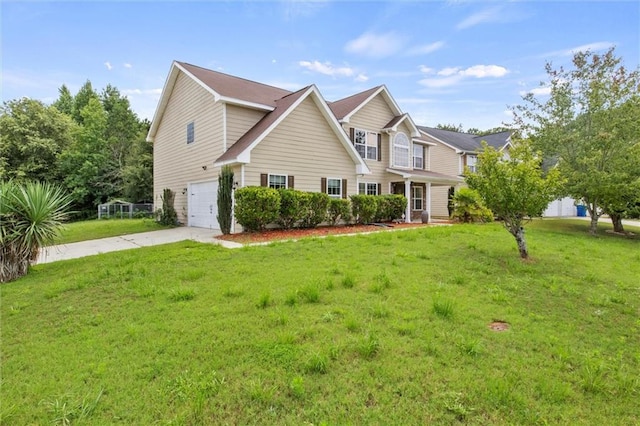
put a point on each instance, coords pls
(294, 234)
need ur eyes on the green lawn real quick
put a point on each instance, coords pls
(94, 229)
(389, 328)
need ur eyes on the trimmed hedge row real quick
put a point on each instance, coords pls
(258, 206)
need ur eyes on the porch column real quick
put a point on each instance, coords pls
(429, 199)
(407, 194)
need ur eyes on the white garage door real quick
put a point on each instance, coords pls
(203, 206)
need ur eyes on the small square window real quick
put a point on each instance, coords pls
(334, 188)
(191, 132)
(368, 188)
(278, 181)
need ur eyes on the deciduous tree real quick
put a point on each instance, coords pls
(515, 189)
(589, 125)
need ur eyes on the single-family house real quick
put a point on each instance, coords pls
(362, 144)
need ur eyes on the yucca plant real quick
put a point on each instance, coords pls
(31, 214)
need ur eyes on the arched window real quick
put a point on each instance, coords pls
(401, 150)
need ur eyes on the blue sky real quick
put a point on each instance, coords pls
(460, 62)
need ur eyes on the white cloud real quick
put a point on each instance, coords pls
(451, 76)
(426, 70)
(108, 65)
(445, 72)
(375, 45)
(327, 68)
(481, 71)
(538, 91)
(426, 48)
(484, 16)
(128, 65)
(361, 78)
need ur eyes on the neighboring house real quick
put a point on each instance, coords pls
(466, 147)
(273, 137)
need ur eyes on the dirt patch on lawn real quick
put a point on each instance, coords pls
(295, 234)
(499, 326)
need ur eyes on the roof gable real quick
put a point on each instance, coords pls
(221, 86)
(345, 108)
(240, 152)
(397, 120)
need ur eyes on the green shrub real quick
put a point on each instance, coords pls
(291, 204)
(468, 207)
(364, 208)
(339, 209)
(390, 207)
(225, 200)
(167, 215)
(314, 209)
(256, 207)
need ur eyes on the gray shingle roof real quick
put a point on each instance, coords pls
(342, 107)
(466, 141)
(235, 87)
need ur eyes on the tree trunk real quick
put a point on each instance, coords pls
(593, 212)
(522, 243)
(616, 219)
(518, 233)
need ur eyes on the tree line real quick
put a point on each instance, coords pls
(90, 144)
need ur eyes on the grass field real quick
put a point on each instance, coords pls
(94, 229)
(390, 328)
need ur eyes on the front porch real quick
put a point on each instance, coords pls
(416, 186)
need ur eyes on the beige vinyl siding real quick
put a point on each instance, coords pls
(372, 117)
(239, 121)
(305, 146)
(442, 159)
(439, 195)
(175, 164)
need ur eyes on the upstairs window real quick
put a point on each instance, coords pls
(401, 150)
(418, 156)
(472, 161)
(366, 144)
(191, 133)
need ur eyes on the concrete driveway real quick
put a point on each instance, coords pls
(132, 241)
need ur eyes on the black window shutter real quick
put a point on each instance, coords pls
(352, 134)
(344, 188)
(263, 179)
(290, 182)
(379, 147)
(323, 185)
(379, 189)
(424, 157)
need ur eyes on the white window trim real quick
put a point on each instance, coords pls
(414, 198)
(366, 189)
(422, 150)
(286, 179)
(406, 147)
(473, 167)
(339, 195)
(365, 145)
